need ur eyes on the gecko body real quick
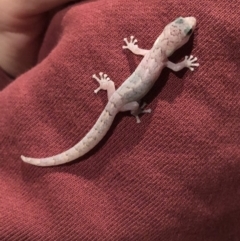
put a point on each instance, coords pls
(133, 89)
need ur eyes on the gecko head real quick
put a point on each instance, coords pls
(179, 31)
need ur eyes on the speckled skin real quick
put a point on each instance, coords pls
(128, 95)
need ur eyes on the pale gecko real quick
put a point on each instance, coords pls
(133, 89)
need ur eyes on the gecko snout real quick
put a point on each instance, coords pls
(192, 21)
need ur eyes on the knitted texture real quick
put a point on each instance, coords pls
(174, 177)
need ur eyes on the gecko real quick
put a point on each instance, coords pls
(128, 96)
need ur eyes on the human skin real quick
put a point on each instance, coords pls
(22, 26)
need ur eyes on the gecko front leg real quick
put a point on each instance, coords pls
(133, 47)
(188, 62)
(105, 83)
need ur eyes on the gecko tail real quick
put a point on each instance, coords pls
(38, 161)
(33, 161)
(89, 141)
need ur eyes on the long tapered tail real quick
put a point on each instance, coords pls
(91, 139)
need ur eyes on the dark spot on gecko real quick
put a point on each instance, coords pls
(109, 111)
(179, 20)
(114, 105)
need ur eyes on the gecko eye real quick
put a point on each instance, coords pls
(189, 32)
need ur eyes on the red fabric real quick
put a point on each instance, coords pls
(175, 176)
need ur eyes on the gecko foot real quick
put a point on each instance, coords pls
(141, 110)
(144, 110)
(191, 62)
(131, 45)
(103, 82)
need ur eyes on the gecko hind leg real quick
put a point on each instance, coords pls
(135, 109)
(105, 83)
